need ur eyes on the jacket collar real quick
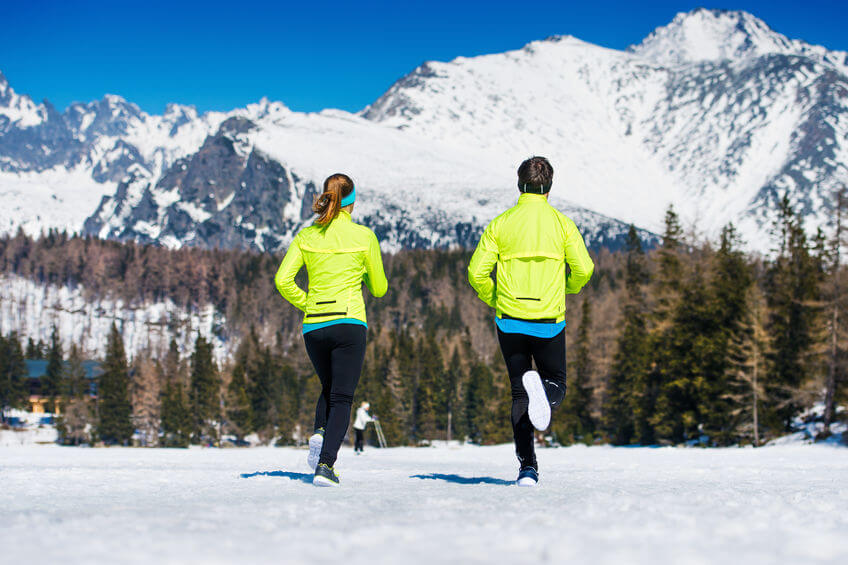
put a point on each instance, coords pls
(527, 197)
(344, 216)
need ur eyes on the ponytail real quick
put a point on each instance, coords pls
(328, 204)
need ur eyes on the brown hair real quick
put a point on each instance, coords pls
(328, 204)
(535, 175)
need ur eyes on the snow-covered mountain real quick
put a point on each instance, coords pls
(715, 113)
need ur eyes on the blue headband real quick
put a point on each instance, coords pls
(349, 199)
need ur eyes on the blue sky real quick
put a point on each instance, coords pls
(313, 55)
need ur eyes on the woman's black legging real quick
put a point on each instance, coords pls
(337, 353)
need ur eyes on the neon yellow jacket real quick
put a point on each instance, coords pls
(530, 243)
(338, 258)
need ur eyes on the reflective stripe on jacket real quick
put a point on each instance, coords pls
(338, 258)
(530, 243)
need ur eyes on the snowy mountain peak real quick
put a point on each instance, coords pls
(711, 35)
(718, 35)
(15, 108)
(175, 111)
(266, 109)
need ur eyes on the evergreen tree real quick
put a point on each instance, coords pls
(627, 396)
(176, 422)
(407, 372)
(391, 403)
(114, 410)
(431, 395)
(75, 377)
(576, 422)
(77, 417)
(666, 292)
(791, 285)
(34, 351)
(239, 413)
(479, 391)
(453, 376)
(267, 379)
(52, 381)
(497, 413)
(669, 270)
(836, 303)
(690, 362)
(204, 393)
(13, 374)
(746, 368)
(283, 379)
(731, 281)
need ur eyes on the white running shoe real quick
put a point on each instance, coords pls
(538, 408)
(316, 442)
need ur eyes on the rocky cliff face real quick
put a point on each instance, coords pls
(226, 195)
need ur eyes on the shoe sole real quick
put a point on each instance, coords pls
(316, 442)
(320, 481)
(538, 407)
(526, 482)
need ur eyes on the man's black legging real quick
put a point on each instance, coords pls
(519, 351)
(337, 353)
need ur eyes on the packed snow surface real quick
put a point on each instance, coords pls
(428, 505)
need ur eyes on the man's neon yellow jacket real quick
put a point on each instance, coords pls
(530, 243)
(338, 258)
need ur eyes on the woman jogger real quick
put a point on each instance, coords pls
(339, 255)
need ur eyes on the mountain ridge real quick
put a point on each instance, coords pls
(721, 134)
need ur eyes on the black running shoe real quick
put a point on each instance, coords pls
(554, 391)
(325, 476)
(527, 477)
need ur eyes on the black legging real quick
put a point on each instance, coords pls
(337, 353)
(549, 354)
(360, 439)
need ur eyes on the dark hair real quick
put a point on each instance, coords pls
(535, 175)
(328, 204)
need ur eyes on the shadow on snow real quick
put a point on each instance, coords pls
(302, 477)
(460, 480)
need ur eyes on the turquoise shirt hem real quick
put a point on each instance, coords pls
(312, 327)
(535, 329)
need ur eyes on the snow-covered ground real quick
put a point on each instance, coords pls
(599, 505)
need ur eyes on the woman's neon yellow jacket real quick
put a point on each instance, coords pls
(338, 257)
(530, 243)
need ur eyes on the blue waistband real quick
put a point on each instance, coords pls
(535, 329)
(311, 327)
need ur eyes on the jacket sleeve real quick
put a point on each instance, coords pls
(480, 268)
(578, 259)
(375, 277)
(284, 280)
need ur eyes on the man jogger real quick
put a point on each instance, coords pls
(531, 243)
